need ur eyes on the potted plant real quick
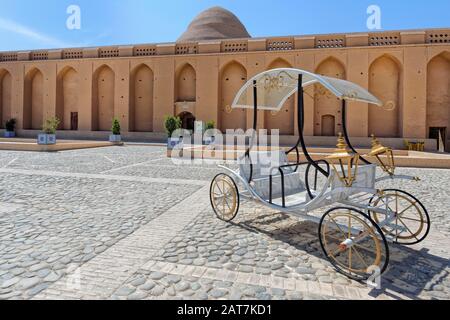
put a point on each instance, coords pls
(10, 127)
(171, 125)
(115, 137)
(209, 137)
(48, 136)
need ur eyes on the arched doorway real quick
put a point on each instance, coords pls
(326, 105)
(438, 99)
(328, 126)
(187, 121)
(68, 89)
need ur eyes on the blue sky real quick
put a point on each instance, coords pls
(26, 24)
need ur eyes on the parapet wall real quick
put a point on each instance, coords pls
(375, 39)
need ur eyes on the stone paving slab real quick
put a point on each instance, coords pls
(272, 282)
(123, 259)
(59, 223)
(126, 223)
(103, 177)
(157, 285)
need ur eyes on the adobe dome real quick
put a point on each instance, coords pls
(215, 23)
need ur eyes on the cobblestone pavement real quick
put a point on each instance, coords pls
(126, 223)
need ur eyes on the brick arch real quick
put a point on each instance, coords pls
(141, 99)
(385, 82)
(33, 110)
(389, 56)
(325, 103)
(438, 94)
(67, 96)
(283, 120)
(445, 54)
(232, 77)
(329, 59)
(103, 95)
(5, 96)
(186, 84)
(279, 63)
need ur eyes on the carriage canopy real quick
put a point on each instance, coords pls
(277, 85)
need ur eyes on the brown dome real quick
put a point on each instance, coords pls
(215, 23)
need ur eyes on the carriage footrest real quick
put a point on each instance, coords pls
(292, 200)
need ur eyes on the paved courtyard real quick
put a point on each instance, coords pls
(126, 223)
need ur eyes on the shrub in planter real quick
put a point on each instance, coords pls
(210, 125)
(115, 130)
(172, 124)
(10, 127)
(49, 131)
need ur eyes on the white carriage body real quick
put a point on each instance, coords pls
(269, 178)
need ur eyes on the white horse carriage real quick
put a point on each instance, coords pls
(355, 232)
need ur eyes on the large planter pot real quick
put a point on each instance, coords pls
(10, 134)
(115, 138)
(173, 142)
(46, 139)
(209, 140)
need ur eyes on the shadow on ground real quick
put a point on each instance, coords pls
(410, 271)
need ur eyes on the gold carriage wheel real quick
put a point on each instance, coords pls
(366, 250)
(408, 216)
(224, 197)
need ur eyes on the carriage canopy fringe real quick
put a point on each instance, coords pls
(277, 85)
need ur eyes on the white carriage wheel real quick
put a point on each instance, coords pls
(224, 196)
(411, 224)
(353, 243)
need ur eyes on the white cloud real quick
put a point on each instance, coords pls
(45, 40)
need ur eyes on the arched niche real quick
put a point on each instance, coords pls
(141, 99)
(5, 97)
(33, 111)
(283, 120)
(232, 77)
(103, 93)
(385, 81)
(186, 84)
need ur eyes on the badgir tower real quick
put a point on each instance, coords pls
(198, 76)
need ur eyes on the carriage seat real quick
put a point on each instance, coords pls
(265, 164)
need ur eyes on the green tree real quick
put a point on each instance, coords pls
(51, 125)
(210, 125)
(172, 124)
(10, 125)
(115, 129)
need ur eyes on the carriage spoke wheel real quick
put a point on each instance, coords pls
(353, 243)
(410, 220)
(224, 196)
